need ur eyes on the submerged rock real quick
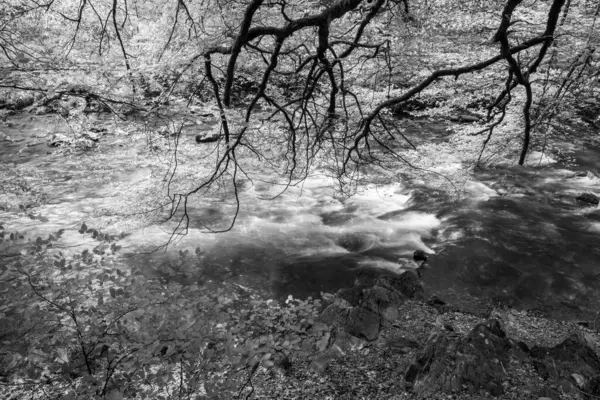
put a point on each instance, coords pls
(584, 174)
(420, 255)
(208, 137)
(588, 198)
(465, 118)
(594, 216)
(354, 242)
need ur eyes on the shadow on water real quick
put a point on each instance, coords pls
(535, 250)
(268, 272)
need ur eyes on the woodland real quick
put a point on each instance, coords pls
(218, 97)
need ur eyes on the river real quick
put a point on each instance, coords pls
(516, 237)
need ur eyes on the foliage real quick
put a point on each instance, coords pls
(318, 81)
(87, 326)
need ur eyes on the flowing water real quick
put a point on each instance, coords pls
(518, 237)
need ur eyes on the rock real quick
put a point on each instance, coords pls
(593, 386)
(41, 110)
(436, 302)
(99, 129)
(584, 174)
(96, 107)
(464, 118)
(91, 135)
(355, 242)
(319, 363)
(84, 143)
(363, 323)
(441, 325)
(594, 216)
(335, 313)
(588, 198)
(419, 255)
(497, 328)
(381, 300)
(407, 283)
(283, 363)
(6, 113)
(208, 137)
(58, 140)
(401, 344)
(579, 380)
(165, 131)
(362, 309)
(572, 364)
(449, 363)
(549, 393)
(353, 295)
(319, 327)
(346, 341)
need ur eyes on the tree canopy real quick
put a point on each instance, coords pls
(305, 83)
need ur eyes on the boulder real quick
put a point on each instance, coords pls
(377, 298)
(588, 198)
(572, 364)
(419, 255)
(449, 363)
(334, 315)
(407, 283)
(363, 323)
(382, 301)
(353, 295)
(362, 309)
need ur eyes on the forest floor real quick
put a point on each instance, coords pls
(377, 369)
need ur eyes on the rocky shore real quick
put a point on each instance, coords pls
(392, 340)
